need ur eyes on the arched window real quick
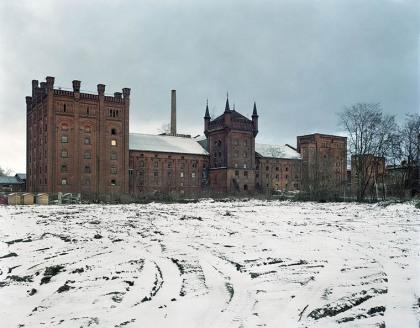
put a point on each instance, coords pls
(64, 126)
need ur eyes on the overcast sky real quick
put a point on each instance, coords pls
(301, 61)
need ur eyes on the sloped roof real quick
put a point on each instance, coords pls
(234, 115)
(9, 180)
(166, 144)
(276, 151)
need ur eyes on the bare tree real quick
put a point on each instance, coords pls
(165, 129)
(410, 133)
(5, 171)
(370, 137)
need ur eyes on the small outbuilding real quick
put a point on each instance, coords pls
(42, 199)
(28, 199)
(13, 199)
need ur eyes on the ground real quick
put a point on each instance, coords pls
(210, 264)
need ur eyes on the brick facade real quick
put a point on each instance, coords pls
(231, 147)
(324, 163)
(80, 142)
(152, 172)
(77, 142)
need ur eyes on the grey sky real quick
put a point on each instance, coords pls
(301, 61)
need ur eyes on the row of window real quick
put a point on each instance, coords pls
(86, 140)
(65, 181)
(169, 173)
(87, 169)
(87, 154)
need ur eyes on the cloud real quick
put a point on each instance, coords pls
(301, 61)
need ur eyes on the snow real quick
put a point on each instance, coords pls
(162, 143)
(276, 151)
(210, 264)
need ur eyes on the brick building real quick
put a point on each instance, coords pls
(80, 142)
(77, 142)
(279, 168)
(324, 163)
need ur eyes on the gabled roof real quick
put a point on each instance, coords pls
(4, 179)
(166, 144)
(276, 151)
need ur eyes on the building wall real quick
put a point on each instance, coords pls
(324, 162)
(231, 147)
(278, 174)
(152, 172)
(77, 142)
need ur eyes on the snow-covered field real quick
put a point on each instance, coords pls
(210, 264)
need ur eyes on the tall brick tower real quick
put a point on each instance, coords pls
(231, 144)
(77, 142)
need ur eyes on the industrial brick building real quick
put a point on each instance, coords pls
(80, 142)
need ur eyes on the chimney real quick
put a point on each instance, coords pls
(173, 112)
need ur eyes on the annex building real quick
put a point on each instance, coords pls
(80, 142)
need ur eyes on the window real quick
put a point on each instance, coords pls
(63, 168)
(169, 173)
(113, 131)
(64, 181)
(237, 173)
(181, 174)
(169, 164)
(245, 142)
(245, 154)
(141, 163)
(87, 129)
(113, 170)
(87, 182)
(236, 165)
(194, 165)
(287, 169)
(87, 140)
(87, 110)
(87, 155)
(193, 175)
(87, 169)
(277, 168)
(64, 154)
(277, 176)
(114, 155)
(113, 182)
(64, 139)
(113, 142)
(155, 164)
(245, 166)
(64, 108)
(267, 168)
(246, 174)
(64, 127)
(155, 174)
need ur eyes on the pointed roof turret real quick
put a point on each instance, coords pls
(254, 112)
(227, 108)
(207, 115)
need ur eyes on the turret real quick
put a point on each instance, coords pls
(228, 116)
(101, 89)
(255, 119)
(206, 118)
(76, 86)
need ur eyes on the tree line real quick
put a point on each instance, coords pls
(375, 138)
